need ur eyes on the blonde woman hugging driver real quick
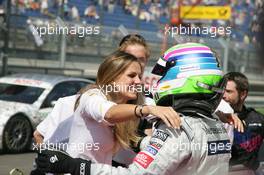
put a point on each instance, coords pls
(111, 118)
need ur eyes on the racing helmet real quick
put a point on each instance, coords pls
(188, 69)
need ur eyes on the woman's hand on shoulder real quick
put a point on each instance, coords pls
(170, 117)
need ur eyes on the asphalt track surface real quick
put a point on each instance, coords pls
(23, 161)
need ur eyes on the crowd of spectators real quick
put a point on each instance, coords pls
(149, 10)
(255, 26)
(243, 20)
(55, 7)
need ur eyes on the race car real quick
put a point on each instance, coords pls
(25, 100)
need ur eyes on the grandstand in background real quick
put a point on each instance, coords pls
(75, 55)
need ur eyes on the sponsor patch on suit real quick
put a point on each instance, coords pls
(152, 150)
(160, 135)
(143, 159)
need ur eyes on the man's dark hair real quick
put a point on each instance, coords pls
(240, 79)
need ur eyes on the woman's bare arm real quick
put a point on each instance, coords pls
(124, 112)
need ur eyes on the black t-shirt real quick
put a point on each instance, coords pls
(246, 145)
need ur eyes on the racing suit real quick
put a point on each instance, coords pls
(201, 146)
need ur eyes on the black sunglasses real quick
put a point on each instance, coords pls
(127, 37)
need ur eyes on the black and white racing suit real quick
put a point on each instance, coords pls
(201, 146)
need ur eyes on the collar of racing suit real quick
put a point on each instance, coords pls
(192, 108)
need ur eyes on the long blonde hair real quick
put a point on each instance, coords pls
(111, 68)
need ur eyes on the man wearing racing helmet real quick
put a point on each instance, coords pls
(192, 75)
